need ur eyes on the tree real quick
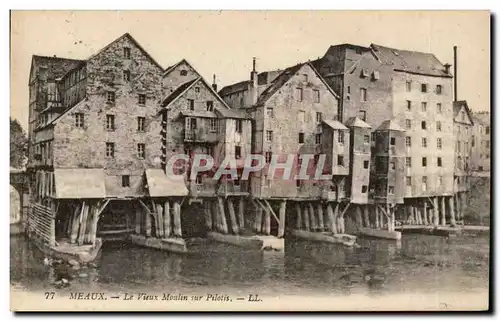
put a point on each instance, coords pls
(18, 144)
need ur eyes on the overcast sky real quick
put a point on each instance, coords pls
(225, 42)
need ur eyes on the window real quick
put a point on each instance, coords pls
(424, 183)
(316, 96)
(439, 143)
(408, 161)
(364, 189)
(110, 96)
(319, 117)
(366, 139)
(439, 89)
(213, 125)
(348, 89)
(110, 122)
(110, 150)
(408, 86)
(210, 105)
(408, 124)
(439, 108)
(487, 130)
(210, 151)
(239, 126)
(141, 150)
(439, 162)
(424, 125)
(269, 155)
(362, 115)
(301, 138)
(341, 137)
(298, 183)
(393, 165)
(408, 141)
(299, 94)
(142, 99)
(126, 75)
(390, 190)
(423, 88)
(183, 72)
(318, 139)
(126, 53)
(305, 78)
(196, 89)
(302, 116)
(79, 120)
(199, 179)
(423, 106)
(376, 75)
(408, 105)
(393, 141)
(424, 142)
(424, 161)
(190, 104)
(270, 112)
(237, 152)
(408, 180)
(438, 126)
(366, 164)
(340, 160)
(125, 181)
(363, 94)
(269, 135)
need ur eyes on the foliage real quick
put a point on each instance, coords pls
(18, 144)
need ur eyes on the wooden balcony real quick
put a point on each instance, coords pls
(201, 135)
(232, 189)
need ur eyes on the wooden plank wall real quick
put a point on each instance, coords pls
(40, 222)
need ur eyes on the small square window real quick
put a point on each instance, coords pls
(424, 142)
(301, 138)
(364, 189)
(439, 89)
(408, 124)
(393, 141)
(125, 181)
(424, 161)
(424, 125)
(318, 139)
(141, 151)
(364, 94)
(126, 75)
(126, 53)
(439, 143)
(366, 164)
(439, 162)
(423, 88)
(210, 105)
(340, 160)
(393, 165)
(269, 135)
(438, 126)
(196, 89)
(110, 96)
(408, 161)
(183, 72)
(142, 99)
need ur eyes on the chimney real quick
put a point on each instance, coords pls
(214, 84)
(447, 68)
(455, 73)
(252, 92)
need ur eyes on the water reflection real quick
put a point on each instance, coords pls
(418, 263)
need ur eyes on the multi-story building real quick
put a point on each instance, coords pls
(481, 141)
(414, 89)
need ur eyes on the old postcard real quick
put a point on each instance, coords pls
(250, 161)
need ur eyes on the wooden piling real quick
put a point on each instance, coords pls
(359, 216)
(312, 217)
(306, 218)
(435, 211)
(148, 224)
(137, 220)
(281, 226)
(83, 224)
(53, 223)
(232, 217)
(167, 228)
(208, 215)
(331, 218)
(266, 228)
(298, 222)
(463, 201)
(177, 219)
(258, 219)
(222, 216)
(76, 222)
(377, 217)
(321, 216)
(241, 213)
(443, 211)
(159, 223)
(424, 213)
(95, 220)
(366, 215)
(452, 212)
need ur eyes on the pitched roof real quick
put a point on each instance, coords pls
(169, 69)
(236, 113)
(483, 118)
(160, 184)
(411, 61)
(79, 183)
(178, 92)
(457, 106)
(56, 66)
(237, 87)
(356, 122)
(390, 124)
(334, 124)
(198, 113)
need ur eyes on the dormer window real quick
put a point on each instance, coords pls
(184, 72)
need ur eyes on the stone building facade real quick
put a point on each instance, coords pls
(481, 142)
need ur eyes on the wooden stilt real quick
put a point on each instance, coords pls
(83, 224)
(424, 213)
(312, 217)
(137, 220)
(208, 215)
(241, 213)
(76, 222)
(359, 216)
(167, 229)
(258, 219)
(443, 211)
(393, 219)
(232, 216)
(222, 216)
(456, 200)
(321, 216)
(90, 223)
(306, 217)
(148, 224)
(463, 201)
(435, 211)
(53, 224)
(266, 228)
(177, 219)
(331, 218)
(298, 222)
(452, 211)
(159, 215)
(377, 217)
(281, 224)
(367, 216)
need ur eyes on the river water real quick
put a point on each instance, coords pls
(420, 263)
